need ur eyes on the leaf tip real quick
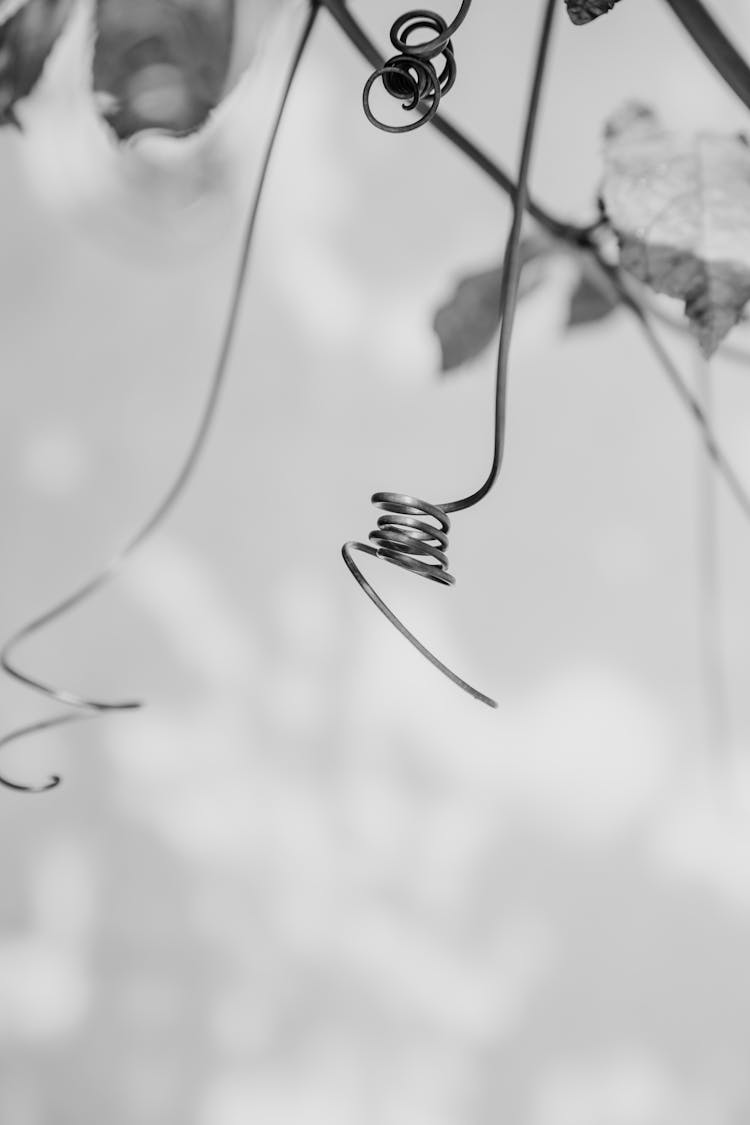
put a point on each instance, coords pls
(584, 11)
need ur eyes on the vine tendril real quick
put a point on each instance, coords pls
(87, 708)
(413, 534)
(411, 75)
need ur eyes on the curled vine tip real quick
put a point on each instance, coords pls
(412, 534)
(16, 786)
(54, 779)
(411, 76)
(36, 728)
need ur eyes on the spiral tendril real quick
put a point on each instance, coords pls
(411, 76)
(88, 708)
(413, 533)
(404, 536)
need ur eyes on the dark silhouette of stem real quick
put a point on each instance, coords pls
(558, 228)
(89, 707)
(723, 465)
(709, 592)
(720, 51)
(581, 238)
(512, 267)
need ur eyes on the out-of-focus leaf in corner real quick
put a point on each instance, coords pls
(9, 8)
(468, 320)
(584, 11)
(680, 207)
(588, 303)
(161, 64)
(26, 38)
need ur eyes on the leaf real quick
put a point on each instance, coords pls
(466, 323)
(161, 64)
(588, 303)
(26, 38)
(584, 11)
(9, 8)
(157, 64)
(680, 207)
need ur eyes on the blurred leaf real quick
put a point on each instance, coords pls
(9, 8)
(26, 39)
(161, 64)
(588, 303)
(584, 11)
(680, 206)
(466, 323)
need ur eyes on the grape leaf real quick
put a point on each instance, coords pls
(680, 207)
(161, 64)
(588, 303)
(157, 64)
(468, 320)
(26, 38)
(584, 11)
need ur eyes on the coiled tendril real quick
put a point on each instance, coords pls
(413, 534)
(411, 76)
(87, 708)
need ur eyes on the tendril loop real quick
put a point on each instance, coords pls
(413, 534)
(412, 76)
(405, 537)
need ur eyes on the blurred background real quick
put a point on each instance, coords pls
(311, 881)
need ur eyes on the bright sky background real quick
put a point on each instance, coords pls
(312, 881)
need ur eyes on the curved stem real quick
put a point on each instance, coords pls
(374, 597)
(720, 51)
(574, 236)
(723, 465)
(512, 266)
(716, 687)
(434, 46)
(175, 491)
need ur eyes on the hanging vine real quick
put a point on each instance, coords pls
(411, 533)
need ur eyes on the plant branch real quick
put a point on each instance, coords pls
(734, 71)
(86, 707)
(723, 465)
(715, 684)
(512, 263)
(557, 228)
(720, 51)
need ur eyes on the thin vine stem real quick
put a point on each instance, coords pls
(720, 51)
(88, 707)
(512, 264)
(433, 46)
(709, 582)
(735, 72)
(558, 228)
(578, 238)
(724, 466)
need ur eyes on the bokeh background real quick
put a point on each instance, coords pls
(311, 881)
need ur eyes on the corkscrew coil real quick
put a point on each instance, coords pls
(405, 538)
(413, 534)
(412, 76)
